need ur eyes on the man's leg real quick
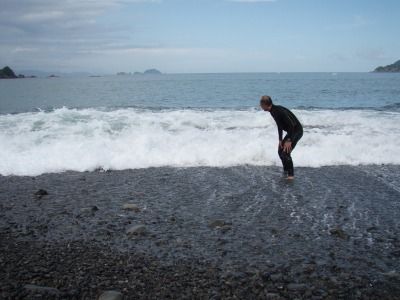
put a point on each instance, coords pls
(296, 137)
(287, 163)
(282, 156)
(287, 156)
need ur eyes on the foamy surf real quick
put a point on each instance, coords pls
(87, 139)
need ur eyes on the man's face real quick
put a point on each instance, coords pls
(265, 107)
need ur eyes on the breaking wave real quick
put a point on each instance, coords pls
(87, 139)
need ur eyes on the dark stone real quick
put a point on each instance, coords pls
(276, 277)
(88, 211)
(340, 233)
(272, 296)
(225, 228)
(296, 287)
(41, 289)
(40, 193)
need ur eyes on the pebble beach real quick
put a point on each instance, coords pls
(202, 233)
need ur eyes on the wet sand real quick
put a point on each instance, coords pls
(202, 233)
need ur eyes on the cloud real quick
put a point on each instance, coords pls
(31, 30)
(365, 54)
(371, 54)
(174, 59)
(41, 13)
(340, 57)
(356, 22)
(359, 21)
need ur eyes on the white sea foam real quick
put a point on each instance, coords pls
(80, 140)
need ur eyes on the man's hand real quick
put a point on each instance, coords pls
(287, 146)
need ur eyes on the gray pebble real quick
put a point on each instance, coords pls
(136, 230)
(91, 209)
(296, 287)
(216, 223)
(41, 289)
(131, 206)
(391, 274)
(276, 277)
(273, 296)
(110, 295)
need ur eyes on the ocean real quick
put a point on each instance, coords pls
(51, 125)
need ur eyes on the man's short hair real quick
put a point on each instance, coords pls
(266, 100)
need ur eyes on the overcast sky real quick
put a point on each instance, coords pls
(178, 36)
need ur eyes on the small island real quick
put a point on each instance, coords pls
(152, 72)
(8, 73)
(147, 72)
(393, 68)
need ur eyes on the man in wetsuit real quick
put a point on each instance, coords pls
(287, 121)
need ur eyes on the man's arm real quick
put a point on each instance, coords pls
(291, 123)
(277, 118)
(279, 132)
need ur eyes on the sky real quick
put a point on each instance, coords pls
(199, 36)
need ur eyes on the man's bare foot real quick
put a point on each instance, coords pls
(290, 177)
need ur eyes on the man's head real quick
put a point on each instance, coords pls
(266, 103)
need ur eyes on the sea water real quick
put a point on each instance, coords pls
(184, 120)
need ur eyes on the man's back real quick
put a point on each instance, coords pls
(284, 118)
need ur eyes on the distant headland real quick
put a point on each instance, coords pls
(8, 73)
(395, 67)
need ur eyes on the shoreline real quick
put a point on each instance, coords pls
(206, 233)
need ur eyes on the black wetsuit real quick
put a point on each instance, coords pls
(287, 121)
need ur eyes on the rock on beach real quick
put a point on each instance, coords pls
(131, 206)
(41, 289)
(136, 230)
(111, 295)
(40, 193)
